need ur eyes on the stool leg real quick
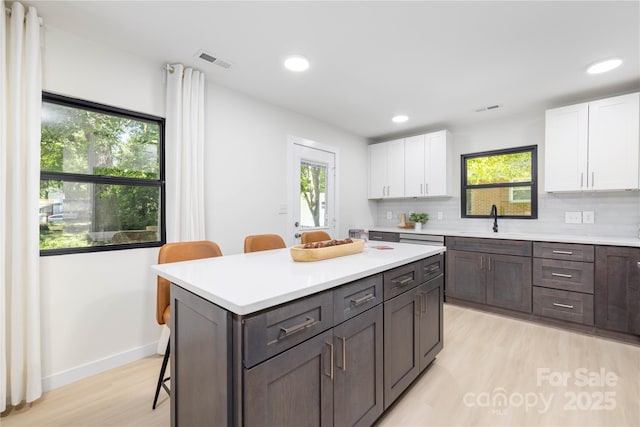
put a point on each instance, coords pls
(161, 378)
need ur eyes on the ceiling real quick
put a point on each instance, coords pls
(435, 61)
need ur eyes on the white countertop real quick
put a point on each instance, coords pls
(560, 238)
(246, 283)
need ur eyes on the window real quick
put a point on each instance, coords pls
(505, 178)
(101, 177)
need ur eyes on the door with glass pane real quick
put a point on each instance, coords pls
(314, 189)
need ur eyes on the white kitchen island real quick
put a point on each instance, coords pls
(258, 339)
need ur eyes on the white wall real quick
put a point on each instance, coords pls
(246, 168)
(98, 309)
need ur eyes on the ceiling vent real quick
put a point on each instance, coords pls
(212, 59)
(490, 107)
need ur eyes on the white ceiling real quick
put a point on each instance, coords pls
(436, 61)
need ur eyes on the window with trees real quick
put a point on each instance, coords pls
(101, 177)
(505, 178)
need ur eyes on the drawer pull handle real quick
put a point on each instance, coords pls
(557, 304)
(330, 374)
(432, 268)
(563, 252)
(566, 276)
(285, 332)
(404, 281)
(374, 237)
(363, 300)
(344, 353)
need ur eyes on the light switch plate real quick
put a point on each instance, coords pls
(573, 217)
(588, 217)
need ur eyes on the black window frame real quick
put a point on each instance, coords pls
(533, 183)
(102, 179)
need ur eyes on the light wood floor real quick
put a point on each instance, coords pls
(485, 357)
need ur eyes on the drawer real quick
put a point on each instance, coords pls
(401, 279)
(563, 305)
(280, 328)
(431, 267)
(566, 275)
(563, 251)
(490, 246)
(384, 236)
(356, 297)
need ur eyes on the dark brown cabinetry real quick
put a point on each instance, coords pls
(490, 271)
(412, 328)
(315, 361)
(563, 281)
(617, 289)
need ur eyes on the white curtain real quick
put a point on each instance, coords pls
(184, 151)
(20, 100)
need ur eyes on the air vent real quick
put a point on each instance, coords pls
(212, 59)
(490, 107)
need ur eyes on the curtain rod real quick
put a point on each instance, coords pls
(8, 11)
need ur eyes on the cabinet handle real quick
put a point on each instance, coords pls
(426, 188)
(360, 301)
(420, 188)
(562, 252)
(593, 179)
(567, 276)
(374, 237)
(481, 262)
(581, 179)
(489, 263)
(638, 264)
(344, 353)
(423, 303)
(557, 304)
(285, 332)
(403, 282)
(330, 375)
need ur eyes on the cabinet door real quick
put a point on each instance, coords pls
(613, 143)
(509, 282)
(377, 170)
(465, 276)
(414, 166)
(294, 388)
(200, 380)
(431, 298)
(436, 164)
(395, 168)
(617, 289)
(565, 157)
(401, 353)
(358, 392)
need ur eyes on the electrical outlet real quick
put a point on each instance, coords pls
(440, 216)
(282, 209)
(588, 217)
(389, 215)
(573, 217)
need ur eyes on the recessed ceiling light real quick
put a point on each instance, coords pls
(296, 63)
(604, 66)
(400, 118)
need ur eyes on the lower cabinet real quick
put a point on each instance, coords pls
(498, 280)
(617, 289)
(412, 335)
(333, 378)
(294, 387)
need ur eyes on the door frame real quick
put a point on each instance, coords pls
(293, 140)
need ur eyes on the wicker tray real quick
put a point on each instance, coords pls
(308, 255)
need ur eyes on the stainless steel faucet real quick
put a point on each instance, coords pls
(494, 214)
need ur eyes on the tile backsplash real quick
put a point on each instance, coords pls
(616, 214)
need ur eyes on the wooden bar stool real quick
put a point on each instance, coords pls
(175, 252)
(263, 242)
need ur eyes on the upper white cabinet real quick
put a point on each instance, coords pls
(594, 145)
(386, 169)
(427, 165)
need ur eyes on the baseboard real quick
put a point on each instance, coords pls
(89, 369)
